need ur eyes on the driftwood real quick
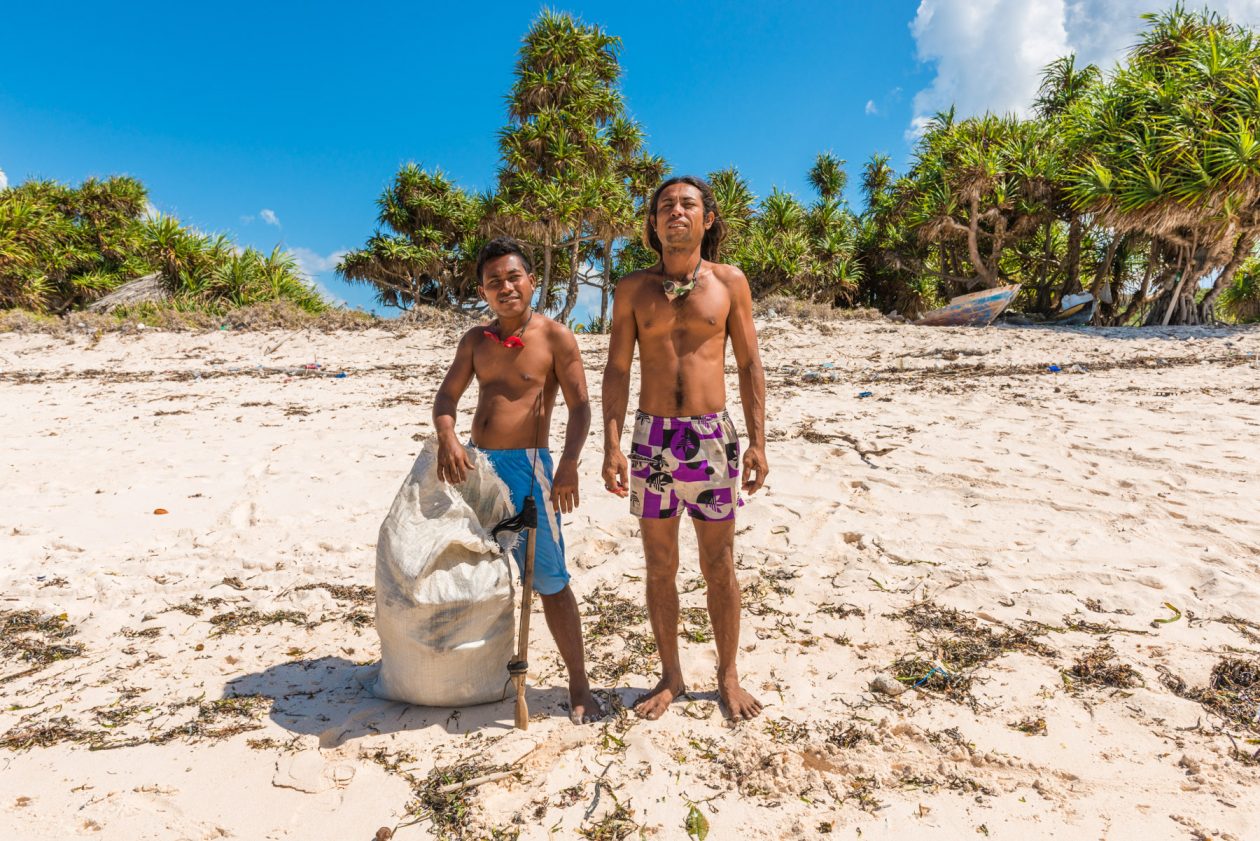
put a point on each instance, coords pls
(142, 290)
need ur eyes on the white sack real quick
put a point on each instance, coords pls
(444, 590)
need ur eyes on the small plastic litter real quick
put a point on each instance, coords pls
(312, 366)
(862, 394)
(1053, 369)
(341, 376)
(160, 511)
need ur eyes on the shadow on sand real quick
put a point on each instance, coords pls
(326, 697)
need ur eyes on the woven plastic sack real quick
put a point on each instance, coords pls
(444, 589)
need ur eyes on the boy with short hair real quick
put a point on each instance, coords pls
(521, 360)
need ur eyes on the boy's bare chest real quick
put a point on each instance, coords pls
(517, 370)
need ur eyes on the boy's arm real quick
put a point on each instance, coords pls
(572, 378)
(453, 462)
(616, 389)
(752, 378)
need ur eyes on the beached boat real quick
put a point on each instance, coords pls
(974, 310)
(1075, 310)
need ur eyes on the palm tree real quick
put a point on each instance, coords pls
(559, 147)
(1172, 154)
(426, 246)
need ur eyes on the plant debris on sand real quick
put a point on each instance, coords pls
(617, 825)
(959, 645)
(1099, 667)
(30, 636)
(612, 617)
(353, 593)
(236, 620)
(1233, 691)
(219, 719)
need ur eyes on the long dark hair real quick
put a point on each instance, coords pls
(712, 243)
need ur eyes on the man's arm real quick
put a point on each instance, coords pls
(616, 388)
(572, 378)
(453, 462)
(752, 377)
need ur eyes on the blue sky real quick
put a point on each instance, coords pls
(280, 123)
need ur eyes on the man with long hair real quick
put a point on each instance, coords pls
(684, 456)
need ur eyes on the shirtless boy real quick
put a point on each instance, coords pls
(685, 451)
(520, 360)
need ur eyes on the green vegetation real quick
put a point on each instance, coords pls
(1140, 186)
(63, 247)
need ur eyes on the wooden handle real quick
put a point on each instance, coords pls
(522, 640)
(522, 709)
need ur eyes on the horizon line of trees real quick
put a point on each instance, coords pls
(63, 248)
(1140, 186)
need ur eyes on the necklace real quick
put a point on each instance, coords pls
(675, 289)
(512, 341)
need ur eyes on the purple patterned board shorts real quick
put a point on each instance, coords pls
(687, 463)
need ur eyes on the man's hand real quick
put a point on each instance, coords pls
(755, 469)
(453, 462)
(564, 487)
(616, 473)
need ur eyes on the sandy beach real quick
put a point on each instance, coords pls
(976, 520)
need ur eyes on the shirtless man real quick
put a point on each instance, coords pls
(520, 360)
(685, 450)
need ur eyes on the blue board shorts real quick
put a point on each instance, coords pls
(522, 470)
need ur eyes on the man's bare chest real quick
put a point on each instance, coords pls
(696, 316)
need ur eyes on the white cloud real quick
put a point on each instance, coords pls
(269, 216)
(989, 53)
(4, 180)
(870, 107)
(312, 264)
(150, 211)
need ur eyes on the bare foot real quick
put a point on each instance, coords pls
(740, 706)
(583, 708)
(654, 704)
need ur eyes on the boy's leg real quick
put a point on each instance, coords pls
(565, 624)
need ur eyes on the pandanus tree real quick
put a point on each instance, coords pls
(975, 187)
(62, 247)
(425, 250)
(558, 155)
(618, 208)
(1170, 152)
(786, 248)
(896, 272)
(1062, 85)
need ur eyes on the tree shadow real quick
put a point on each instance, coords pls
(328, 697)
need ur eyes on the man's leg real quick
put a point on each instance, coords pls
(565, 624)
(717, 564)
(660, 550)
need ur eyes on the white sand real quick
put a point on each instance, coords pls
(971, 477)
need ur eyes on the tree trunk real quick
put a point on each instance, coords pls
(606, 287)
(545, 302)
(1242, 250)
(1177, 304)
(571, 294)
(1043, 282)
(1072, 280)
(973, 247)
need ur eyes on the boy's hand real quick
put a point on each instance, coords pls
(564, 486)
(616, 473)
(453, 462)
